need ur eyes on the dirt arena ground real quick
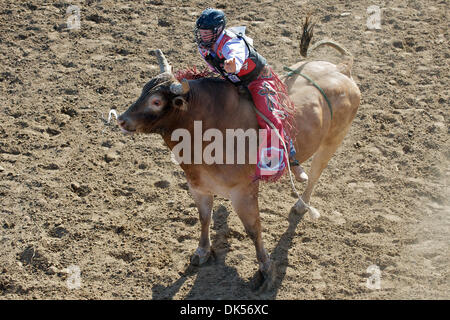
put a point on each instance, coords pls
(77, 193)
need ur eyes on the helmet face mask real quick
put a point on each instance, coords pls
(206, 35)
(208, 27)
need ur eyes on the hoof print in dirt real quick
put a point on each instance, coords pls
(69, 111)
(60, 27)
(52, 132)
(58, 232)
(183, 186)
(80, 190)
(190, 221)
(163, 184)
(33, 257)
(164, 23)
(110, 157)
(96, 18)
(51, 166)
(107, 144)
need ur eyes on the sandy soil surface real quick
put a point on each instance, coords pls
(77, 193)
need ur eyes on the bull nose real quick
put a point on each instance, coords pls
(124, 125)
(121, 121)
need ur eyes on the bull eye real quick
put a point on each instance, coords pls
(156, 104)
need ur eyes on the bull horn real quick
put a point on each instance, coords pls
(180, 88)
(164, 66)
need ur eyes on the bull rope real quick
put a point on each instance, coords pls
(291, 72)
(312, 211)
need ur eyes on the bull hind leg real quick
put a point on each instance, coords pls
(319, 163)
(245, 203)
(204, 204)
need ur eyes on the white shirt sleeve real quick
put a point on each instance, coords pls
(236, 48)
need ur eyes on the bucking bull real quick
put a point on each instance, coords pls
(167, 104)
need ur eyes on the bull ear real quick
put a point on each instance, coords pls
(180, 103)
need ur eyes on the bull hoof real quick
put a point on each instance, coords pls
(300, 207)
(265, 278)
(200, 256)
(268, 277)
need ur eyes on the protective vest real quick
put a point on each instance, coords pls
(250, 69)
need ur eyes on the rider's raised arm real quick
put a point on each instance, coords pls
(235, 48)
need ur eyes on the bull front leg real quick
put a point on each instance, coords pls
(245, 203)
(204, 204)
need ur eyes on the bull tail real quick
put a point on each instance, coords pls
(346, 64)
(344, 67)
(307, 34)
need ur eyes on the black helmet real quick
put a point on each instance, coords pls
(210, 19)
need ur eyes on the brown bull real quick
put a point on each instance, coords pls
(166, 105)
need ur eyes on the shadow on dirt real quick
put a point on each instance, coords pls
(216, 280)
